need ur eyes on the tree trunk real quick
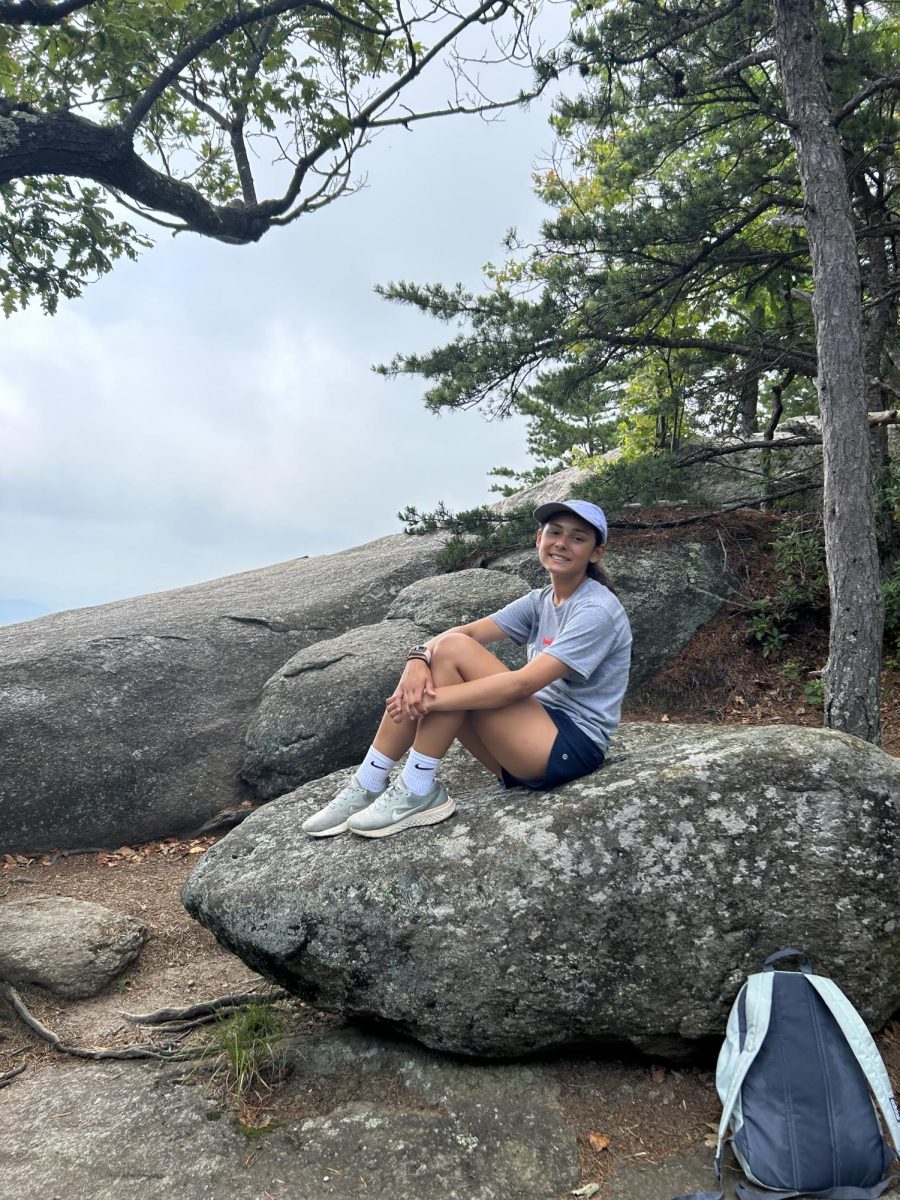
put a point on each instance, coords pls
(857, 609)
(749, 403)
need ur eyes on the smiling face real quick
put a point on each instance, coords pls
(567, 546)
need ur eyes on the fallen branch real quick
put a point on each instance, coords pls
(8, 1076)
(746, 502)
(210, 1008)
(145, 1050)
(227, 819)
(58, 854)
(890, 416)
(708, 452)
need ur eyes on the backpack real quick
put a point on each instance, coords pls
(794, 1076)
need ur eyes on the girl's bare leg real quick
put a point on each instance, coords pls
(394, 740)
(518, 736)
(476, 747)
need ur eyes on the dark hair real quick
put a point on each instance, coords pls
(595, 571)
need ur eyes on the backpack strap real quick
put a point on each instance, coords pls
(863, 1046)
(758, 1009)
(743, 1192)
(735, 1061)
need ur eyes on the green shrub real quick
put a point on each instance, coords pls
(478, 533)
(647, 480)
(474, 533)
(891, 589)
(802, 587)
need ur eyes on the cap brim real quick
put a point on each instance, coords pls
(544, 511)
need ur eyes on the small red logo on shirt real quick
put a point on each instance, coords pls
(548, 641)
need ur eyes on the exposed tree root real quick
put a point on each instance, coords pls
(227, 819)
(8, 1076)
(145, 1050)
(181, 1019)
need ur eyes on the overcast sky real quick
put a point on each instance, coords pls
(212, 408)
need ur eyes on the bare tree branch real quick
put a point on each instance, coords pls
(771, 354)
(890, 416)
(745, 502)
(705, 453)
(236, 129)
(880, 85)
(217, 33)
(763, 55)
(192, 98)
(454, 110)
(364, 117)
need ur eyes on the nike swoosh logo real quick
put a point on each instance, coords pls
(418, 768)
(399, 813)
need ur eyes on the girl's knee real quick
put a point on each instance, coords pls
(449, 646)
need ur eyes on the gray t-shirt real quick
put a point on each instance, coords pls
(590, 633)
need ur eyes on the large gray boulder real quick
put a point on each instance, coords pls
(754, 474)
(668, 589)
(443, 601)
(626, 906)
(320, 711)
(127, 721)
(557, 486)
(72, 948)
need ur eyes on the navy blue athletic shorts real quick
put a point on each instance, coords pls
(573, 754)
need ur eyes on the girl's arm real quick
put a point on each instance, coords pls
(496, 691)
(415, 690)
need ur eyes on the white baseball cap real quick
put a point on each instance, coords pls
(591, 513)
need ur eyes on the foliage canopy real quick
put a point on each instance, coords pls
(187, 112)
(672, 281)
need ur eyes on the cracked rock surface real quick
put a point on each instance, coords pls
(359, 1117)
(126, 721)
(626, 906)
(320, 711)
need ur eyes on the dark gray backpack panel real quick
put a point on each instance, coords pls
(809, 1123)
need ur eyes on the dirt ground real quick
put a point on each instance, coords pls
(606, 1100)
(721, 678)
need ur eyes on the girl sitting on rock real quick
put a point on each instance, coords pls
(540, 726)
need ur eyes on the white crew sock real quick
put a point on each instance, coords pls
(374, 770)
(418, 774)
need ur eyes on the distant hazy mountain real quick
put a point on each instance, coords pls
(20, 610)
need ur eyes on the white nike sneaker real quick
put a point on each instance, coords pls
(333, 817)
(396, 809)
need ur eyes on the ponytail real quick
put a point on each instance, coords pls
(596, 572)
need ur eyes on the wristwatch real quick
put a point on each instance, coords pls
(420, 652)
